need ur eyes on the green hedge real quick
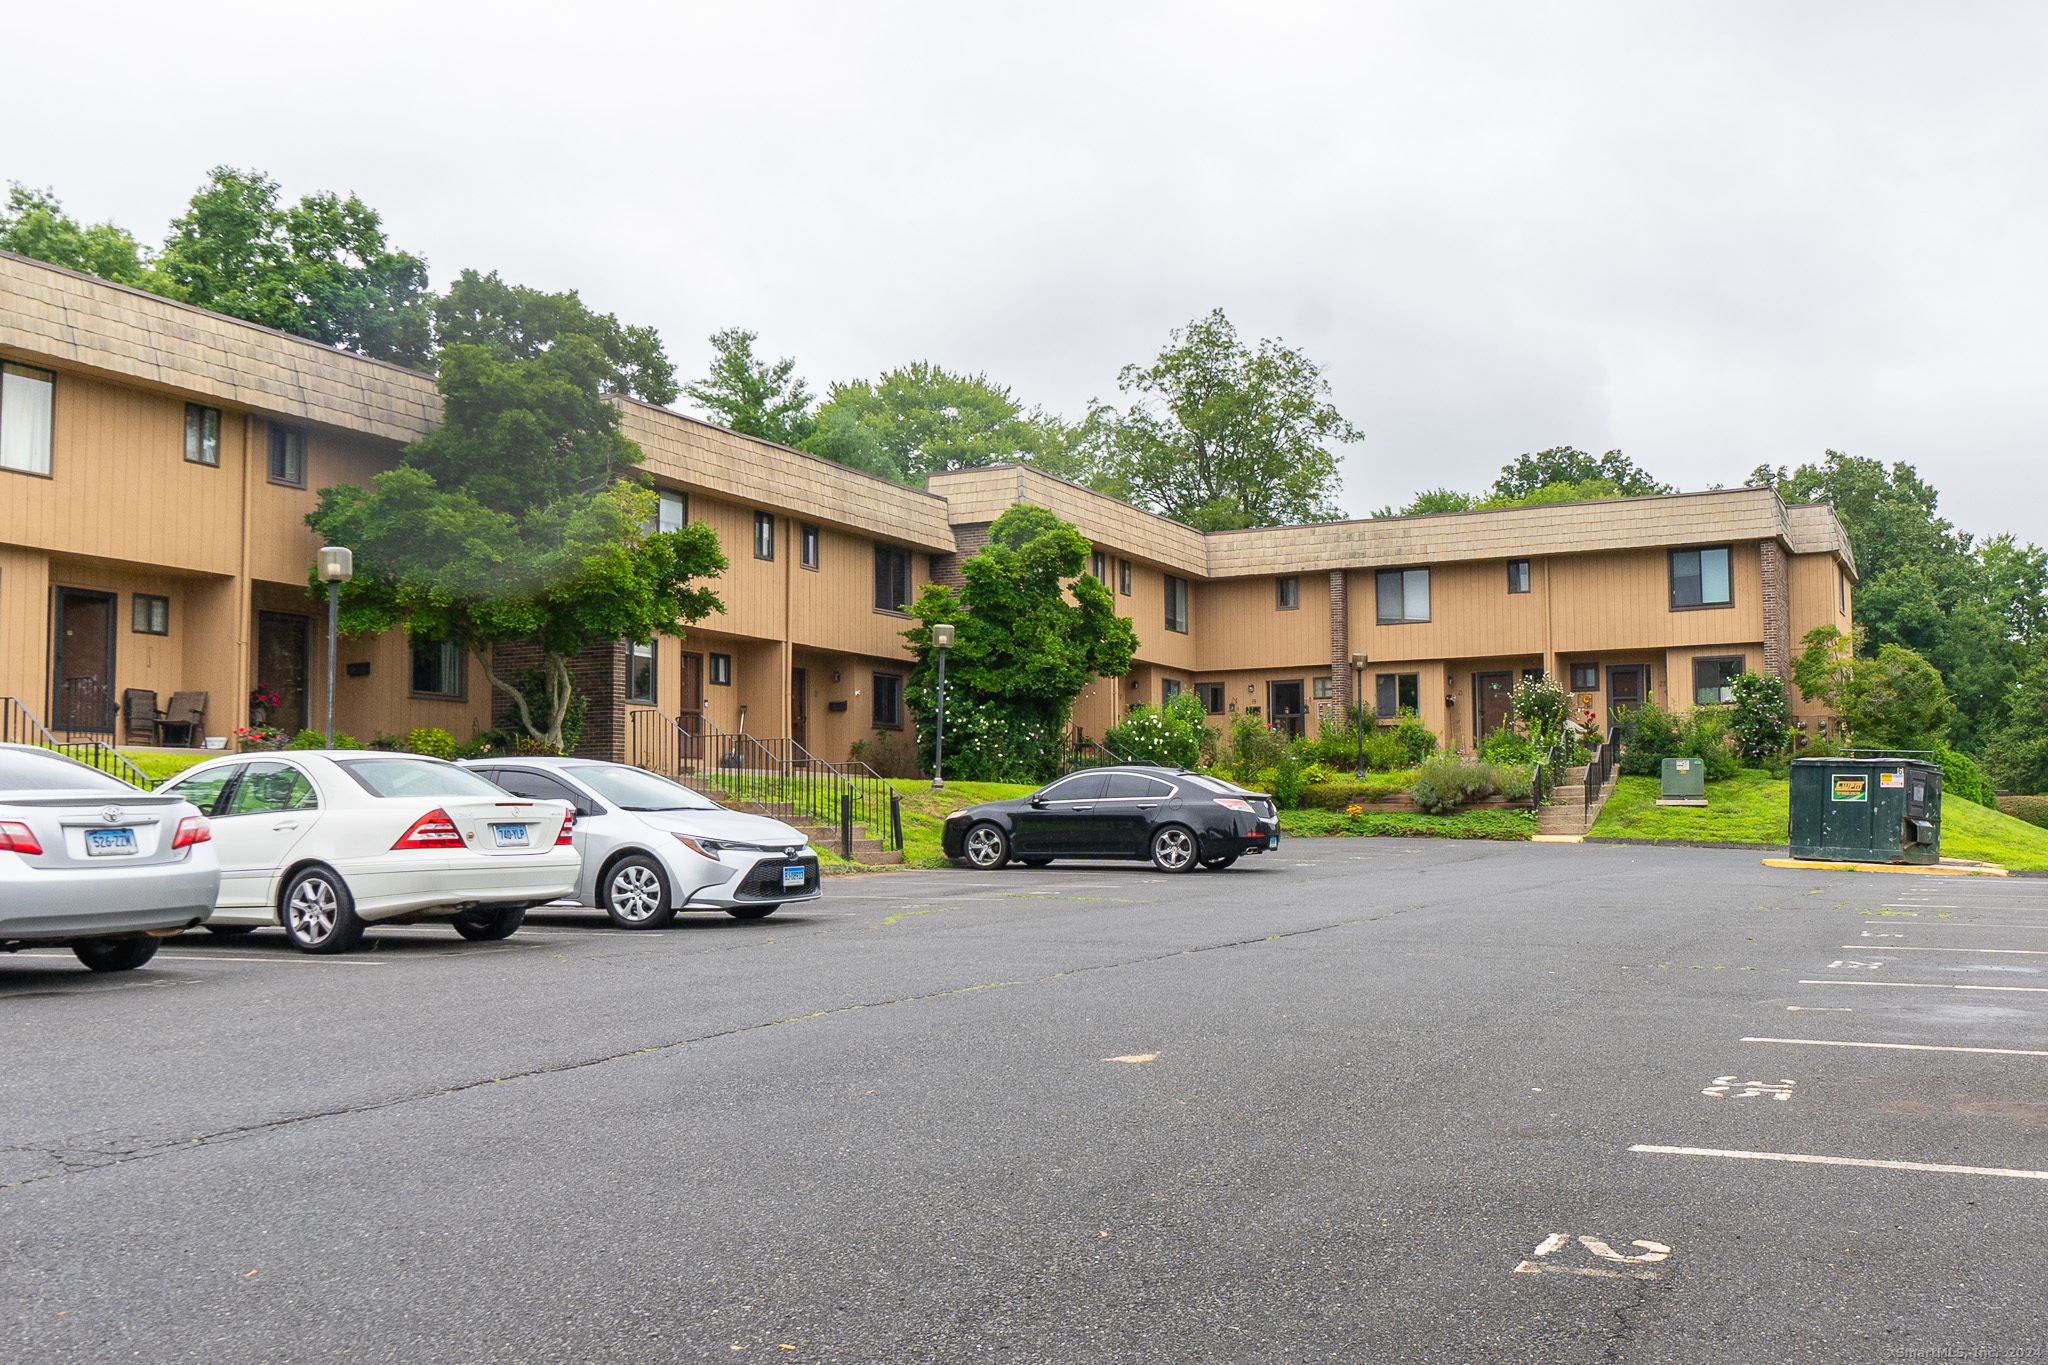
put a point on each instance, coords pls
(2032, 809)
(1470, 824)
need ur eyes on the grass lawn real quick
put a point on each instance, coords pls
(925, 812)
(160, 767)
(1464, 824)
(1752, 809)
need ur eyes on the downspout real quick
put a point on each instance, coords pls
(245, 589)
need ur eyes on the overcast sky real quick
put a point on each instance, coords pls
(1711, 235)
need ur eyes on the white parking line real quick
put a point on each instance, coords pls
(1931, 986)
(1902, 948)
(1936, 1168)
(1906, 1047)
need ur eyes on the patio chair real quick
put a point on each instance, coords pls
(140, 716)
(184, 714)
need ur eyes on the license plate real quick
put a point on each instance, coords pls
(792, 878)
(510, 836)
(102, 843)
(1272, 841)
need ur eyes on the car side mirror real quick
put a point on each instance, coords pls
(1038, 803)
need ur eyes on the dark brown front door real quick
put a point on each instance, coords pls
(281, 661)
(799, 708)
(82, 663)
(1625, 689)
(690, 701)
(1285, 711)
(1496, 694)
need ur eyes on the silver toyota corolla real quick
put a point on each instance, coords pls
(652, 847)
(89, 862)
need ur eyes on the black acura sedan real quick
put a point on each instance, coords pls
(1178, 819)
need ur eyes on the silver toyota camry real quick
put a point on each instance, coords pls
(652, 847)
(91, 863)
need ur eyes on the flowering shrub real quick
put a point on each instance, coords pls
(1172, 735)
(1762, 720)
(258, 739)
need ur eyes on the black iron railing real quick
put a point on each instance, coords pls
(19, 725)
(1599, 773)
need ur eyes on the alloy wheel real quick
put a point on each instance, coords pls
(1173, 849)
(635, 892)
(313, 910)
(985, 846)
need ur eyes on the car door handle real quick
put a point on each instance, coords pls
(1148, 805)
(286, 824)
(1081, 808)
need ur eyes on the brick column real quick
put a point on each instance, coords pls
(1777, 610)
(946, 567)
(1340, 638)
(599, 673)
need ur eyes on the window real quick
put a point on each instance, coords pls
(764, 535)
(268, 787)
(1699, 578)
(1518, 575)
(1585, 677)
(1169, 688)
(437, 668)
(1841, 593)
(288, 455)
(1403, 596)
(1397, 692)
(892, 578)
(720, 669)
(1177, 604)
(674, 512)
(640, 672)
(1713, 680)
(1123, 577)
(1084, 787)
(1212, 697)
(539, 787)
(888, 701)
(1286, 593)
(1532, 675)
(1322, 689)
(1136, 787)
(25, 405)
(152, 615)
(1098, 568)
(202, 435)
(807, 543)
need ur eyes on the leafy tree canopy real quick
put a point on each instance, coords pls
(1894, 700)
(35, 224)
(924, 420)
(751, 395)
(1033, 630)
(1223, 435)
(2018, 755)
(1529, 474)
(515, 323)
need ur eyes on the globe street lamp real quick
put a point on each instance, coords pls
(337, 566)
(942, 640)
(1358, 662)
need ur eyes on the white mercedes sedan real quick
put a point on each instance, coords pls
(328, 842)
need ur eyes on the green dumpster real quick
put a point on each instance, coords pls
(1866, 810)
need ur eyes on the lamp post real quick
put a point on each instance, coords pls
(942, 640)
(1358, 662)
(337, 566)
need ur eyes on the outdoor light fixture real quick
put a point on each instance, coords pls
(942, 640)
(336, 566)
(1358, 662)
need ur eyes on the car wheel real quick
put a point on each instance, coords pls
(1036, 862)
(636, 894)
(1173, 850)
(486, 923)
(115, 954)
(319, 914)
(1218, 864)
(988, 848)
(752, 911)
(230, 930)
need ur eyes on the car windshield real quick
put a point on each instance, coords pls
(50, 772)
(416, 777)
(638, 790)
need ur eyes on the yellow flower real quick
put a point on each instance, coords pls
(1354, 810)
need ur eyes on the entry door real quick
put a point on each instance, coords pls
(799, 708)
(281, 661)
(1626, 688)
(82, 662)
(1496, 694)
(1285, 708)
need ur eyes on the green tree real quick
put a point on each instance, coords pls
(1224, 436)
(1527, 474)
(1430, 501)
(925, 420)
(751, 395)
(35, 224)
(1033, 630)
(1895, 700)
(522, 518)
(2017, 757)
(320, 268)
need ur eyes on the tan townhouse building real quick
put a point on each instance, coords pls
(157, 463)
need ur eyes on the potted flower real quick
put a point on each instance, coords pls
(263, 703)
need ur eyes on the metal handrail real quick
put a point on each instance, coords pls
(19, 725)
(1598, 773)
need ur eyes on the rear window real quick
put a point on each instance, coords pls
(1217, 785)
(24, 771)
(417, 777)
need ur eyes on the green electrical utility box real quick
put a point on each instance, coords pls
(1685, 782)
(1866, 810)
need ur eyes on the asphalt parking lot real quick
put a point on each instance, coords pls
(1362, 1099)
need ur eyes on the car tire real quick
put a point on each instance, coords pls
(1174, 849)
(115, 954)
(1036, 862)
(230, 930)
(752, 911)
(489, 923)
(635, 894)
(1218, 864)
(318, 913)
(986, 847)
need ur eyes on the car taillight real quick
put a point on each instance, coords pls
(568, 829)
(432, 830)
(17, 838)
(1232, 803)
(193, 829)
